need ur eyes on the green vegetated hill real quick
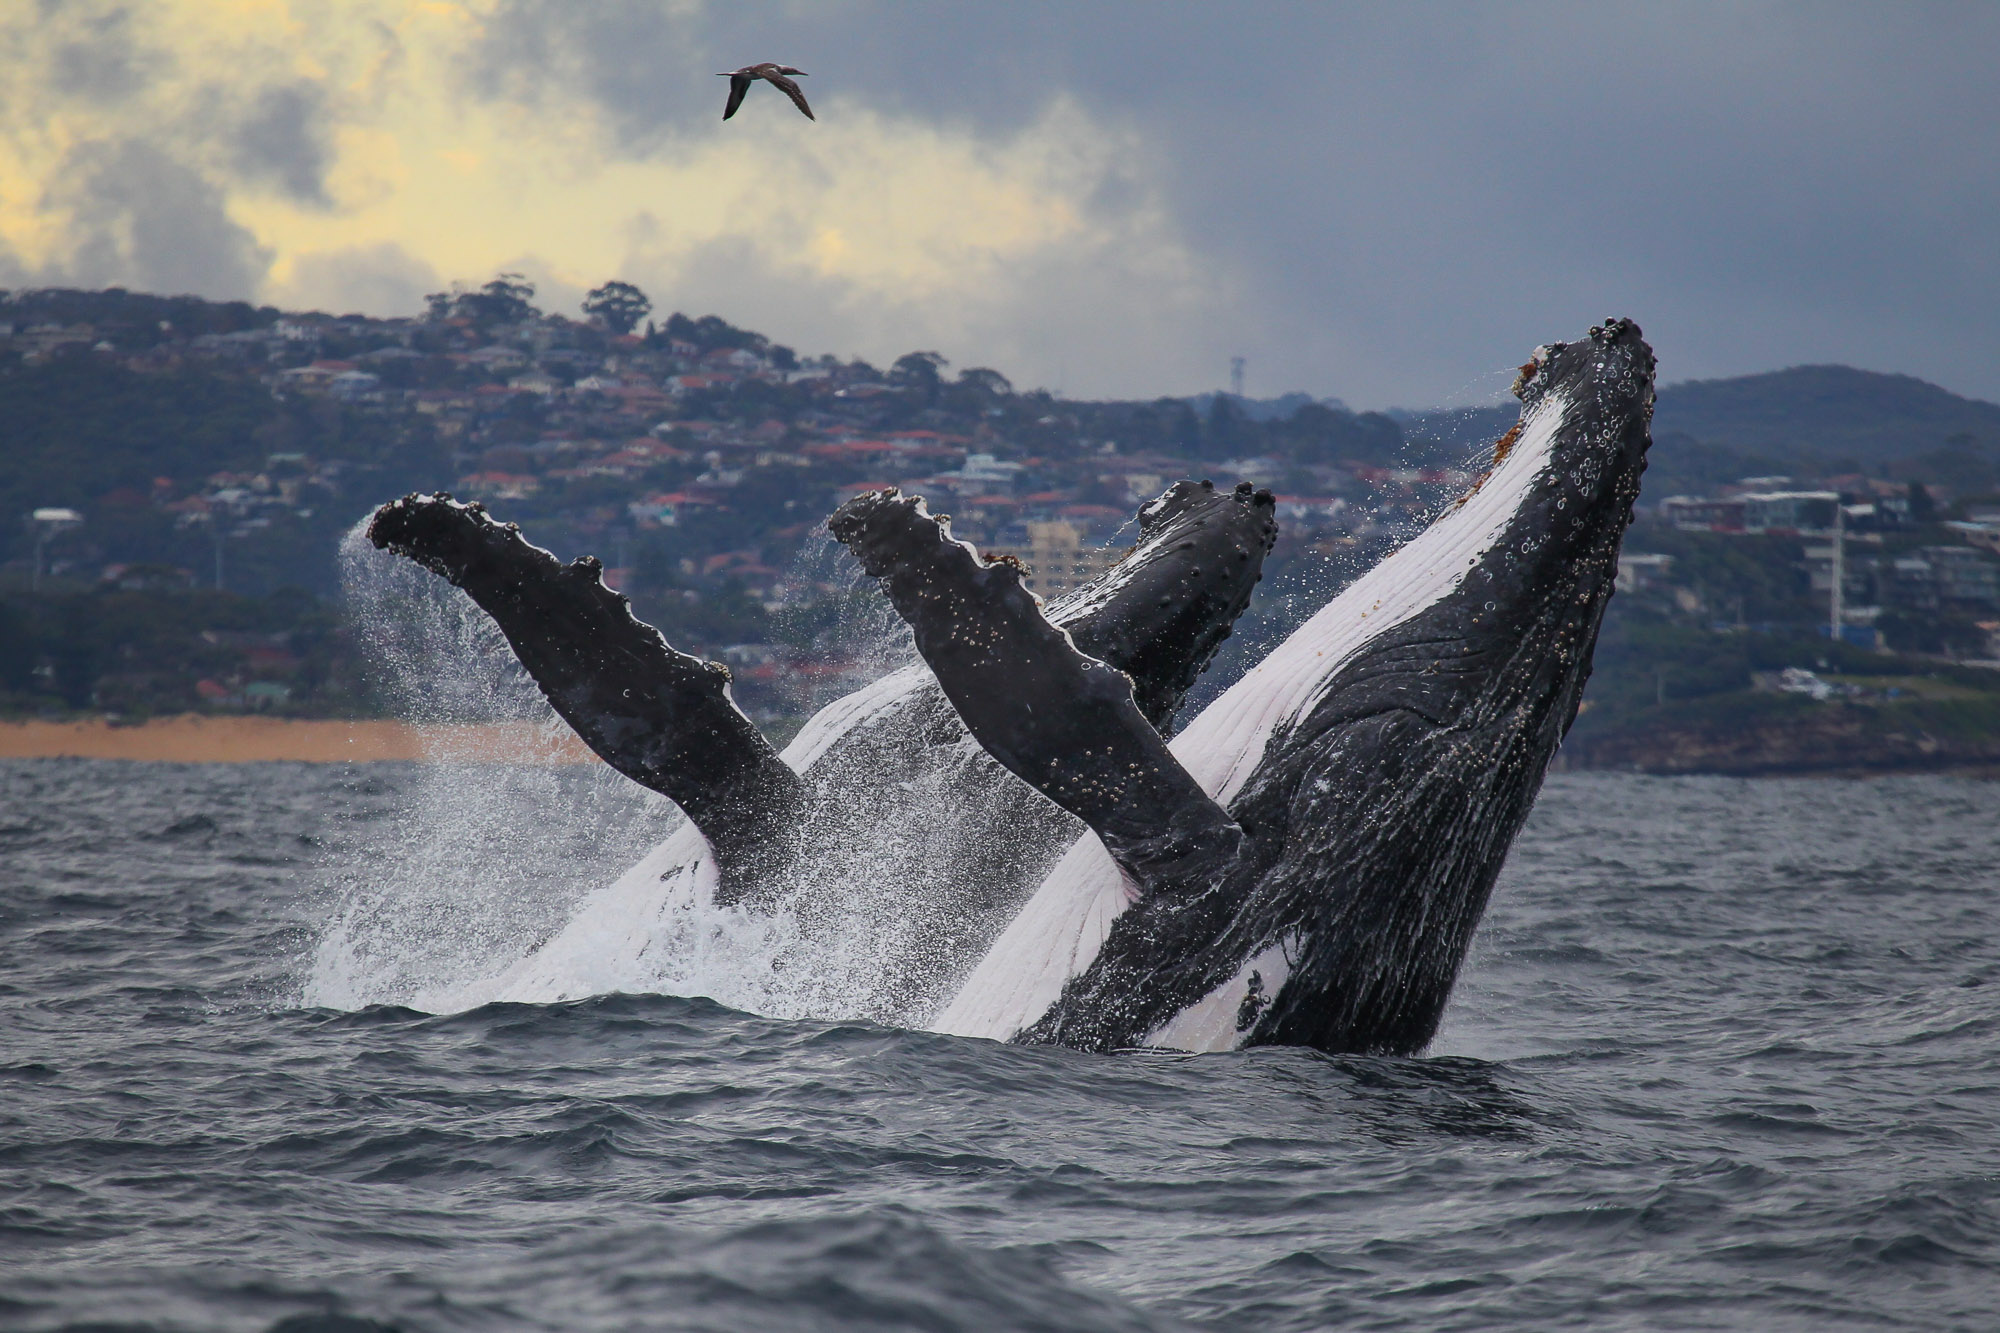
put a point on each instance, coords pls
(1827, 415)
(1810, 418)
(1670, 698)
(216, 453)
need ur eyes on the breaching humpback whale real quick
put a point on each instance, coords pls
(1304, 864)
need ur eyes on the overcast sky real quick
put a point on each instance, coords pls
(1391, 204)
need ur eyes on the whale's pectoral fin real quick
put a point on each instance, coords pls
(661, 717)
(1061, 721)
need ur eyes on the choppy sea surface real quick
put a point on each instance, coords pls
(1724, 1057)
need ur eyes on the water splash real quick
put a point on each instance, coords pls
(830, 612)
(503, 882)
(483, 861)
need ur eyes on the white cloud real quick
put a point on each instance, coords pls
(1108, 199)
(380, 278)
(356, 165)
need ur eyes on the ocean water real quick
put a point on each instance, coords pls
(1726, 1055)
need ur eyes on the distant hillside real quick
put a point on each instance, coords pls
(1827, 413)
(1807, 419)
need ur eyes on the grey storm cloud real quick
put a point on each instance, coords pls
(100, 58)
(140, 218)
(273, 135)
(280, 137)
(626, 55)
(1413, 196)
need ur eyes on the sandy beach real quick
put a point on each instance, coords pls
(190, 739)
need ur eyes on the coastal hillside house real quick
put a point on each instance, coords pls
(666, 509)
(319, 376)
(497, 357)
(1982, 530)
(354, 384)
(536, 382)
(500, 485)
(1639, 572)
(1860, 576)
(1741, 509)
(635, 457)
(436, 402)
(1798, 680)
(985, 472)
(1801, 512)
(42, 340)
(734, 358)
(1788, 511)
(1935, 576)
(1297, 508)
(651, 449)
(266, 694)
(657, 511)
(393, 354)
(1700, 513)
(638, 400)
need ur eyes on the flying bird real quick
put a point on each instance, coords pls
(774, 74)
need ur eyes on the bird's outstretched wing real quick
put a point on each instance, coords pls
(739, 84)
(791, 90)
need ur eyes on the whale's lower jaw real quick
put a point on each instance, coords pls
(1351, 938)
(1385, 934)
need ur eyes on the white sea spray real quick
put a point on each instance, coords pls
(532, 882)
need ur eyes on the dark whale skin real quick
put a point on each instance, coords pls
(1378, 822)
(1363, 843)
(1407, 784)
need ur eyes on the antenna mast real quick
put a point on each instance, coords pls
(1236, 376)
